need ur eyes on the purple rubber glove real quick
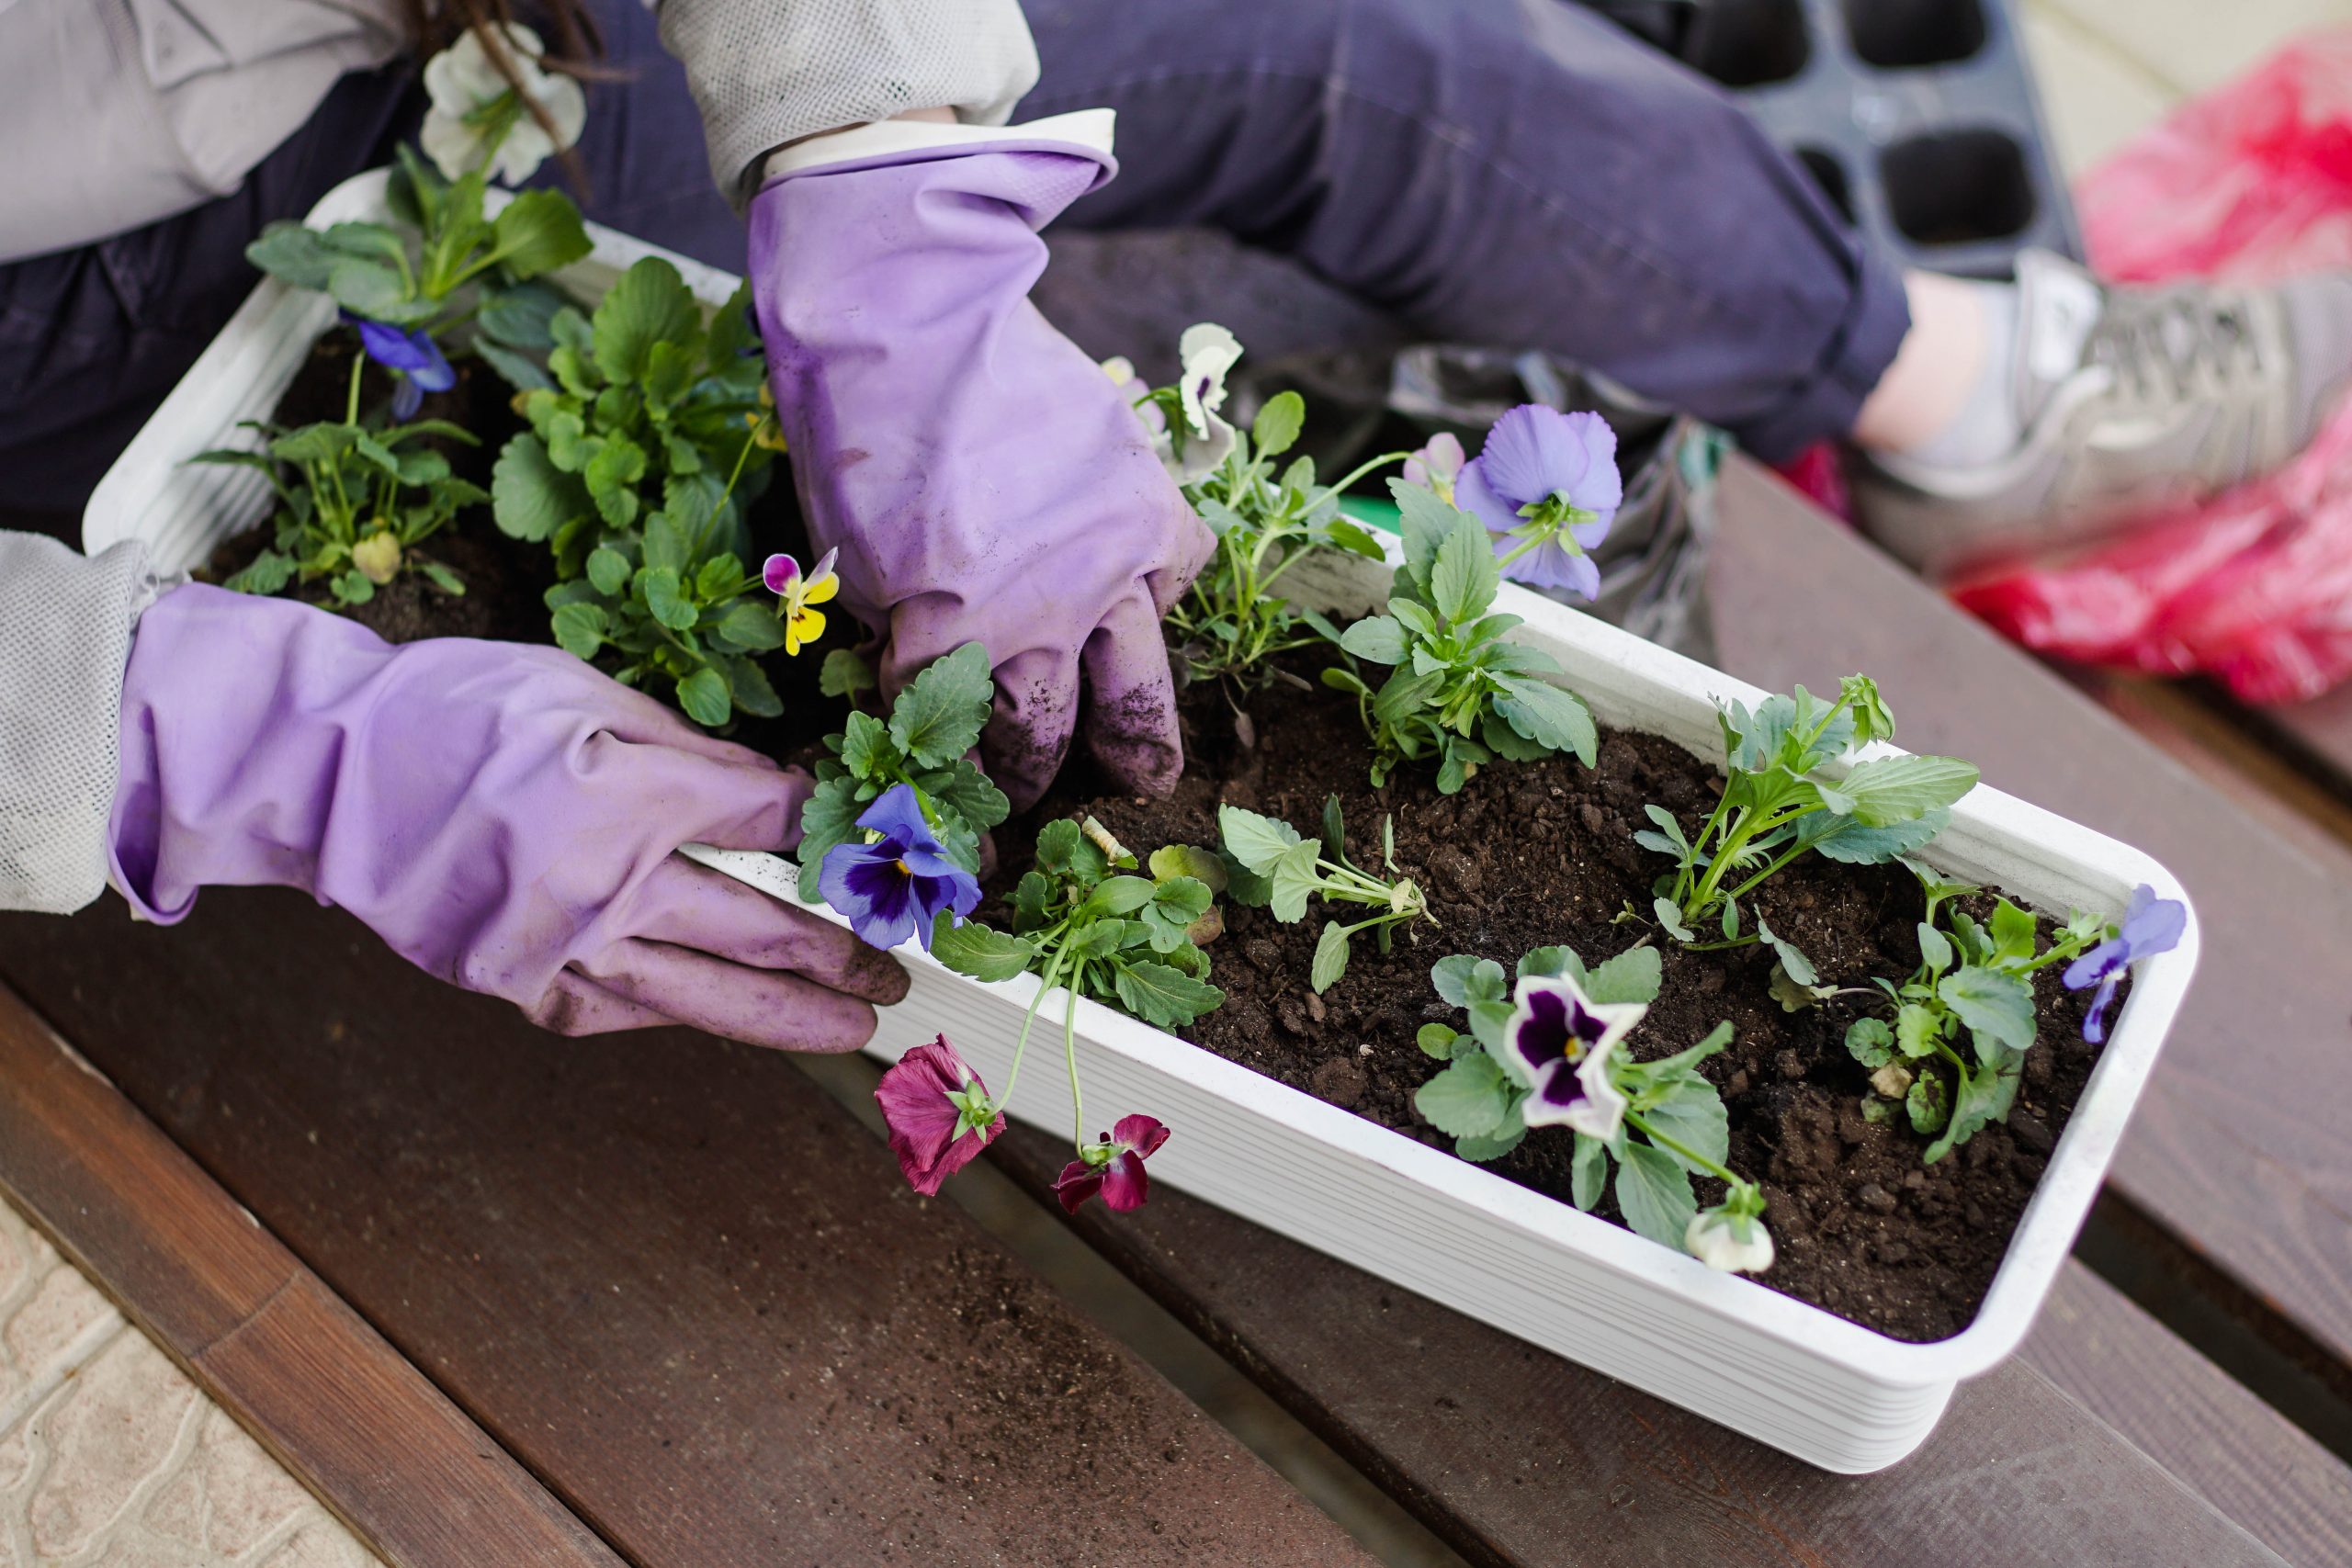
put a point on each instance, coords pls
(503, 817)
(983, 480)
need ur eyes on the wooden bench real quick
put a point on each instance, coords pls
(500, 1297)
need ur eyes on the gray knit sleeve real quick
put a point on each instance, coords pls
(769, 72)
(65, 624)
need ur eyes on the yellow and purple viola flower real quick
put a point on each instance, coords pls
(1546, 486)
(939, 1114)
(801, 592)
(1561, 1045)
(2151, 925)
(1114, 1167)
(418, 365)
(894, 885)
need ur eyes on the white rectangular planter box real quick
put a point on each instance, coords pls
(1831, 1391)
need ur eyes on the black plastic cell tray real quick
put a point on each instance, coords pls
(1918, 118)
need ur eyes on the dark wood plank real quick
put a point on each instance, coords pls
(2189, 1417)
(293, 1365)
(2242, 1147)
(2321, 730)
(683, 1287)
(1514, 1456)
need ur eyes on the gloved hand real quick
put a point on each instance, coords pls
(501, 816)
(981, 476)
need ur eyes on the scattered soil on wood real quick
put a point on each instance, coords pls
(1540, 854)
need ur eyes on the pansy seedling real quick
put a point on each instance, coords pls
(801, 592)
(1231, 625)
(1282, 871)
(1549, 1050)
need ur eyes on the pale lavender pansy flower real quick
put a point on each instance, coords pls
(1543, 475)
(1436, 466)
(1559, 1043)
(2151, 925)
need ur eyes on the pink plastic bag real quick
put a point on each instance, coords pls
(2250, 183)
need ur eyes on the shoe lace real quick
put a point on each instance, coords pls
(2179, 343)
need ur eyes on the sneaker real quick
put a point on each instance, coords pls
(2131, 399)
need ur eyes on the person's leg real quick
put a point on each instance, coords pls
(1516, 172)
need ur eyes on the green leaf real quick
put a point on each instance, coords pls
(668, 541)
(1163, 996)
(1851, 841)
(1871, 719)
(1331, 956)
(1436, 1040)
(1172, 861)
(866, 750)
(1549, 717)
(1669, 917)
(1465, 979)
(1633, 976)
(294, 253)
(967, 792)
(1294, 880)
(1935, 948)
(1870, 1041)
(537, 232)
(1378, 639)
(618, 465)
(608, 570)
(2015, 932)
(1692, 1114)
(1898, 789)
(1276, 428)
(1464, 579)
(1799, 968)
(665, 598)
(1917, 1030)
(1468, 1099)
(706, 699)
(941, 714)
(1995, 1005)
(1176, 902)
(1654, 1194)
(717, 575)
(579, 629)
(374, 290)
(1427, 523)
(973, 948)
(669, 372)
(1508, 1136)
(530, 497)
(1258, 842)
(1060, 844)
(1120, 895)
(844, 674)
(1929, 1104)
(751, 627)
(650, 304)
(520, 317)
(1587, 1171)
(753, 692)
(1986, 1095)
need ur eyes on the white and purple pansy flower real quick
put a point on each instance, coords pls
(1560, 1044)
(2151, 925)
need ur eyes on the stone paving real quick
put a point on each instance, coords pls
(109, 1455)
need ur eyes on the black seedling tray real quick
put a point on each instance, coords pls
(1918, 118)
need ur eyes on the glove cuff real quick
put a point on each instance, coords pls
(890, 143)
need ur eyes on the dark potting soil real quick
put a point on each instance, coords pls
(1533, 855)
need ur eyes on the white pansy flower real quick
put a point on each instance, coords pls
(1208, 351)
(1737, 1243)
(477, 119)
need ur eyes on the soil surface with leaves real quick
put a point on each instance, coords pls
(1534, 853)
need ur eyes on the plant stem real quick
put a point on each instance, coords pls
(1070, 1055)
(351, 400)
(1673, 1147)
(1021, 1046)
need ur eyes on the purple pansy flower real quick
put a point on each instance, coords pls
(412, 352)
(2151, 925)
(1436, 466)
(1120, 1179)
(1558, 1043)
(1541, 467)
(933, 1102)
(895, 886)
